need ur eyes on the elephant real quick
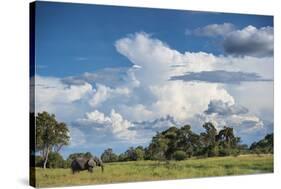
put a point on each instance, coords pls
(81, 163)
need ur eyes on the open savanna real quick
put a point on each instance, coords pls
(154, 170)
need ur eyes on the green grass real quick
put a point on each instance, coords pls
(153, 170)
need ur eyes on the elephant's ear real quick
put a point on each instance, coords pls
(91, 163)
(98, 161)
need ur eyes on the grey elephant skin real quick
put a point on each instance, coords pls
(81, 164)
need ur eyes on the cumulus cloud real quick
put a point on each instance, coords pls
(220, 76)
(221, 108)
(130, 104)
(156, 59)
(190, 99)
(54, 96)
(103, 93)
(110, 77)
(250, 41)
(59, 91)
(114, 124)
(214, 30)
(158, 124)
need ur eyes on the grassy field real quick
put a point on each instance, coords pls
(153, 170)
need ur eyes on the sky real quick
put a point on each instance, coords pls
(117, 75)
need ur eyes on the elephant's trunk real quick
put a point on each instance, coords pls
(102, 168)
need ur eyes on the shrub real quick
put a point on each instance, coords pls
(179, 155)
(39, 161)
(55, 160)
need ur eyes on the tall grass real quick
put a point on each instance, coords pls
(153, 170)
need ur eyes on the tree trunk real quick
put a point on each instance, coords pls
(58, 148)
(46, 158)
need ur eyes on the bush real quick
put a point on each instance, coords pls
(212, 151)
(39, 161)
(179, 155)
(224, 151)
(55, 160)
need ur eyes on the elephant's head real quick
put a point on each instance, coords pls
(90, 165)
(99, 162)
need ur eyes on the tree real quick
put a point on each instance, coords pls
(265, 145)
(208, 140)
(62, 138)
(171, 136)
(157, 148)
(122, 157)
(130, 154)
(139, 153)
(228, 143)
(109, 156)
(49, 135)
(134, 154)
(188, 141)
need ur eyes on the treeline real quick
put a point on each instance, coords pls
(182, 143)
(171, 144)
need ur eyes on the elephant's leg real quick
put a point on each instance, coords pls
(90, 170)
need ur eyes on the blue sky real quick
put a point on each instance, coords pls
(113, 73)
(78, 38)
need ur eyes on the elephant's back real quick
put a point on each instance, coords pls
(78, 163)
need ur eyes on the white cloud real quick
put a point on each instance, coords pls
(52, 95)
(113, 111)
(103, 93)
(214, 30)
(113, 124)
(187, 99)
(257, 97)
(59, 92)
(97, 117)
(183, 101)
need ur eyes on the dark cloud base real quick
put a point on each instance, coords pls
(220, 76)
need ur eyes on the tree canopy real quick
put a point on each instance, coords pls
(183, 142)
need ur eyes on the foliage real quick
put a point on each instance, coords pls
(208, 140)
(139, 153)
(56, 161)
(133, 154)
(263, 146)
(73, 156)
(39, 161)
(50, 135)
(122, 157)
(208, 144)
(179, 155)
(109, 156)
